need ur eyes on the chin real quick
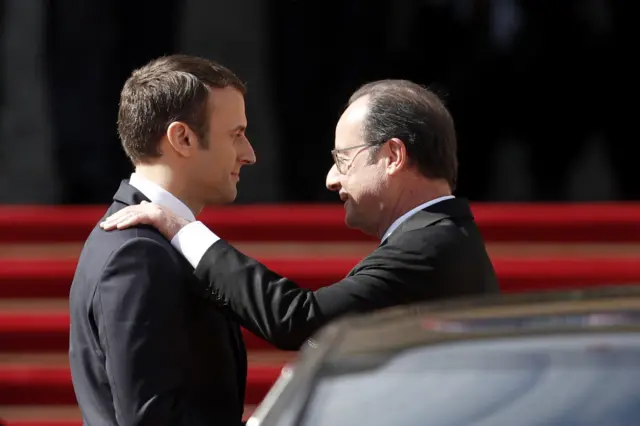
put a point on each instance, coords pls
(229, 196)
(222, 197)
(350, 220)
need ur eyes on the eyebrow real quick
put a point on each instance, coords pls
(239, 128)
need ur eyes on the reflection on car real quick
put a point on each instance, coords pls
(556, 359)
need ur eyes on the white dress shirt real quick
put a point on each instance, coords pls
(193, 243)
(160, 196)
(195, 239)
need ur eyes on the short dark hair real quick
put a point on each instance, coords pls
(414, 114)
(167, 89)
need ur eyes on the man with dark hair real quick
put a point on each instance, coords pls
(143, 349)
(395, 170)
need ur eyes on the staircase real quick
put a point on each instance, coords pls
(532, 249)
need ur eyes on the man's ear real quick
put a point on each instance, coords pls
(181, 138)
(397, 156)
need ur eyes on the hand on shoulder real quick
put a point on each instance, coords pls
(146, 213)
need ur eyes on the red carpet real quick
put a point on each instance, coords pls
(39, 331)
(51, 278)
(33, 292)
(34, 385)
(44, 423)
(564, 222)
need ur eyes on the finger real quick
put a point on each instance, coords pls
(127, 223)
(110, 224)
(118, 215)
(133, 220)
(127, 217)
(126, 212)
(113, 220)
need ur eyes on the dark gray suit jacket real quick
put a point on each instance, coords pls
(437, 253)
(143, 349)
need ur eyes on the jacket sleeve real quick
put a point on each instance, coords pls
(139, 305)
(285, 314)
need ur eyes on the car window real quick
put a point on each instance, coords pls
(559, 380)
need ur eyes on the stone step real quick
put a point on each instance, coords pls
(61, 360)
(337, 249)
(31, 382)
(52, 415)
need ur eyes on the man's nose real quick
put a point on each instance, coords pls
(247, 154)
(333, 179)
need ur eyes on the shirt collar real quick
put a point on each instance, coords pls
(411, 212)
(160, 196)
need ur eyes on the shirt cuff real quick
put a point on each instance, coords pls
(193, 241)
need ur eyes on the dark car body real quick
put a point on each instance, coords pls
(553, 359)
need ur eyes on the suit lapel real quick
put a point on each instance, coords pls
(129, 195)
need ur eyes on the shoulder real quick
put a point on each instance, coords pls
(125, 265)
(140, 277)
(140, 269)
(133, 251)
(122, 238)
(421, 245)
(439, 235)
(142, 249)
(106, 244)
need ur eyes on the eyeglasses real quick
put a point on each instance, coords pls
(343, 164)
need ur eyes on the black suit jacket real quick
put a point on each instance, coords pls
(437, 253)
(144, 350)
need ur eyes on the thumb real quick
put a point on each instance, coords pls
(144, 202)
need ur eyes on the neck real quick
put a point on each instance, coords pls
(172, 182)
(408, 196)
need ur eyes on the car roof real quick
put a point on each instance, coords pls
(603, 309)
(597, 309)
